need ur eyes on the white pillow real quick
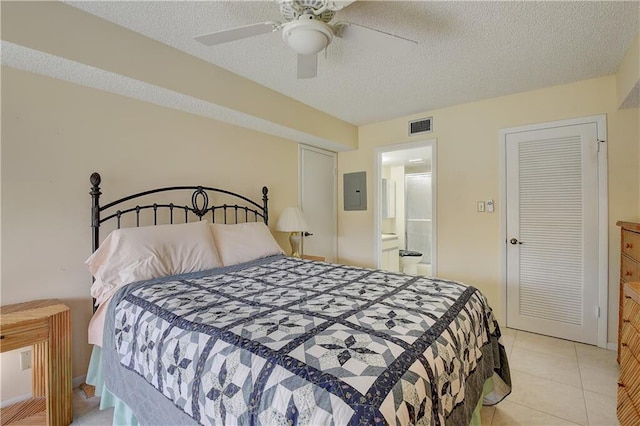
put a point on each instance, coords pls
(133, 254)
(243, 242)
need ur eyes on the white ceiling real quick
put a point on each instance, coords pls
(467, 50)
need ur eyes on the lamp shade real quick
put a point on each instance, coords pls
(291, 220)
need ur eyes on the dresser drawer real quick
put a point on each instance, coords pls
(15, 338)
(631, 339)
(631, 244)
(627, 412)
(628, 269)
(630, 343)
(629, 364)
(631, 312)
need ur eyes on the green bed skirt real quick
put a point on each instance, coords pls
(122, 414)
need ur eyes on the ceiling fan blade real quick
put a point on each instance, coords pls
(238, 33)
(374, 38)
(307, 66)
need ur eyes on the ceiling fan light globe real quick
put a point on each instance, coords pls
(307, 42)
(307, 37)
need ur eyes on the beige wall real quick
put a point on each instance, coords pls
(54, 134)
(467, 144)
(70, 33)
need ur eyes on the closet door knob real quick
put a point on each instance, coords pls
(515, 241)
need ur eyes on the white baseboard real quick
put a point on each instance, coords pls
(77, 381)
(612, 346)
(15, 400)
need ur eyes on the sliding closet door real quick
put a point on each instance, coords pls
(552, 231)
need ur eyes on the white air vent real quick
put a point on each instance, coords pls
(424, 125)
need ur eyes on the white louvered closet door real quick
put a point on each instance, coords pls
(552, 232)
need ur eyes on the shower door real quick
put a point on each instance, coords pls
(418, 210)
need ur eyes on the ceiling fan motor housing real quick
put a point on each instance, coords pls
(291, 10)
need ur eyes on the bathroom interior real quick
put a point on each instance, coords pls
(406, 211)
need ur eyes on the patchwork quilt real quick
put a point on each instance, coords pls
(289, 341)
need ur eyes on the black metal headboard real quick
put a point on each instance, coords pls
(246, 211)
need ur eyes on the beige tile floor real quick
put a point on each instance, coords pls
(86, 410)
(555, 382)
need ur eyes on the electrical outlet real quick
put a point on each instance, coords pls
(25, 360)
(480, 206)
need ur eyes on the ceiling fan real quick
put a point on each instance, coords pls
(307, 31)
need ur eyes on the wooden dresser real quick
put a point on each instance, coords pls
(629, 381)
(629, 264)
(45, 324)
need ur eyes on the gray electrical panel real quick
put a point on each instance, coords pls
(355, 191)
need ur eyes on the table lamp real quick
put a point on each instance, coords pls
(291, 220)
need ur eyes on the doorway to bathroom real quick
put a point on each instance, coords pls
(405, 208)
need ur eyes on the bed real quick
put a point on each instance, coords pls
(256, 337)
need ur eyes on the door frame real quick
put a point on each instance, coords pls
(603, 230)
(377, 196)
(334, 208)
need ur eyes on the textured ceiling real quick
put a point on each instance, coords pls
(467, 50)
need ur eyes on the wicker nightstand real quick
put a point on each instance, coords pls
(45, 324)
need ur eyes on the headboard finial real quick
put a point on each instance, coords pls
(95, 209)
(95, 215)
(265, 204)
(95, 179)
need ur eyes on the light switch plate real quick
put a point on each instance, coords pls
(480, 206)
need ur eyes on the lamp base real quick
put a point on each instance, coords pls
(294, 240)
